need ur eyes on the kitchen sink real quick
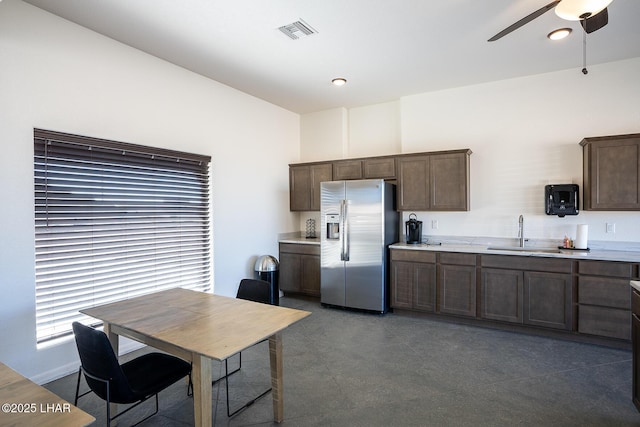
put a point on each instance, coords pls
(525, 249)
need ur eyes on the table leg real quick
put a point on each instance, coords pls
(201, 376)
(275, 358)
(115, 344)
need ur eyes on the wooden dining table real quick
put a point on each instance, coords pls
(200, 327)
(25, 403)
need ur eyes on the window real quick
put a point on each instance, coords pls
(114, 221)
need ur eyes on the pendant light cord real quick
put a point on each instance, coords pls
(584, 47)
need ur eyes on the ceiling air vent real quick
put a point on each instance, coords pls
(297, 29)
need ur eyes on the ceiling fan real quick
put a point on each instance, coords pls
(592, 15)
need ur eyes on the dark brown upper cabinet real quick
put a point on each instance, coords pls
(379, 167)
(434, 181)
(347, 169)
(304, 185)
(611, 167)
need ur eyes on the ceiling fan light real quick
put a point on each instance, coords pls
(339, 81)
(575, 10)
(559, 34)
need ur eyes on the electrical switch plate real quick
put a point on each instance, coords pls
(611, 227)
(434, 224)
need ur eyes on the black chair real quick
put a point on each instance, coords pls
(258, 291)
(132, 382)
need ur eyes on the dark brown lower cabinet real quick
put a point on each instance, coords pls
(537, 298)
(413, 280)
(300, 269)
(502, 295)
(547, 300)
(604, 298)
(457, 284)
(579, 297)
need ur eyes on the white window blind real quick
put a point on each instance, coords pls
(114, 221)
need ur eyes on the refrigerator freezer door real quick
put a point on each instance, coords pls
(332, 278)
(364, 222)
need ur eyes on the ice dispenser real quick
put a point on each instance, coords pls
(561, 199)
(333, 226)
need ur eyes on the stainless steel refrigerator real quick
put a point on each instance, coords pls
(358, 221)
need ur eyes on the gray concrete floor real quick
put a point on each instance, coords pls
(344, 368)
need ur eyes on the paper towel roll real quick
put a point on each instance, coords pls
(581, 237)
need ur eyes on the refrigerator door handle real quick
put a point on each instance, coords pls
(344, 254)
(346, 230)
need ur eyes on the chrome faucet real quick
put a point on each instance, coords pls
(521, 231)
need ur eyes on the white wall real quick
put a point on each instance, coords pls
(59, 76)
(524, 134)
(374, 130)
(321, 142)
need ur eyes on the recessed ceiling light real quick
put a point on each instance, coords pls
(339, 81)
(559, 34)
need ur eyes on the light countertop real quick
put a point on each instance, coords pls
(636, 285)
(300, 240)
(483, 249)
(602, 255)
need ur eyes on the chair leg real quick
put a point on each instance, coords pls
(75, 402)
(246, 405)
(227, 373)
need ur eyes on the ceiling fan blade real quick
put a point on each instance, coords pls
(524, 20)
(596, 21)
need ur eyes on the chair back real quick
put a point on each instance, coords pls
(98, 360)
(255, 290)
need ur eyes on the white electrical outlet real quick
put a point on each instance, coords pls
(434, 224)
(611, 227)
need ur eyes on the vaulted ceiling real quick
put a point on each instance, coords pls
(385, 49)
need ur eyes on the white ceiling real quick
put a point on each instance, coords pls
(386, 49)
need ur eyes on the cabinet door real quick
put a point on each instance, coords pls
(299, 188)
(413, 285)
(319, 173)
(380, 168)
(402, 276)
(413, 183)
(289, 272)
(449, 180)
(547, 300)
(424, 291)
(347, 169)
(310, 274)
(612, 171)
(502, 294)
(457, 290)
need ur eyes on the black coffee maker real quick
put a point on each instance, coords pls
(413, 229)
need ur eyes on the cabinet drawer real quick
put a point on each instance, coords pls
(606, 322)
(604, 291)
(300, 249)
(606, 268)
(413, 256)
(457, 258)
(518, 262)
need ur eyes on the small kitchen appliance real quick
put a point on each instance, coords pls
(413, 230)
